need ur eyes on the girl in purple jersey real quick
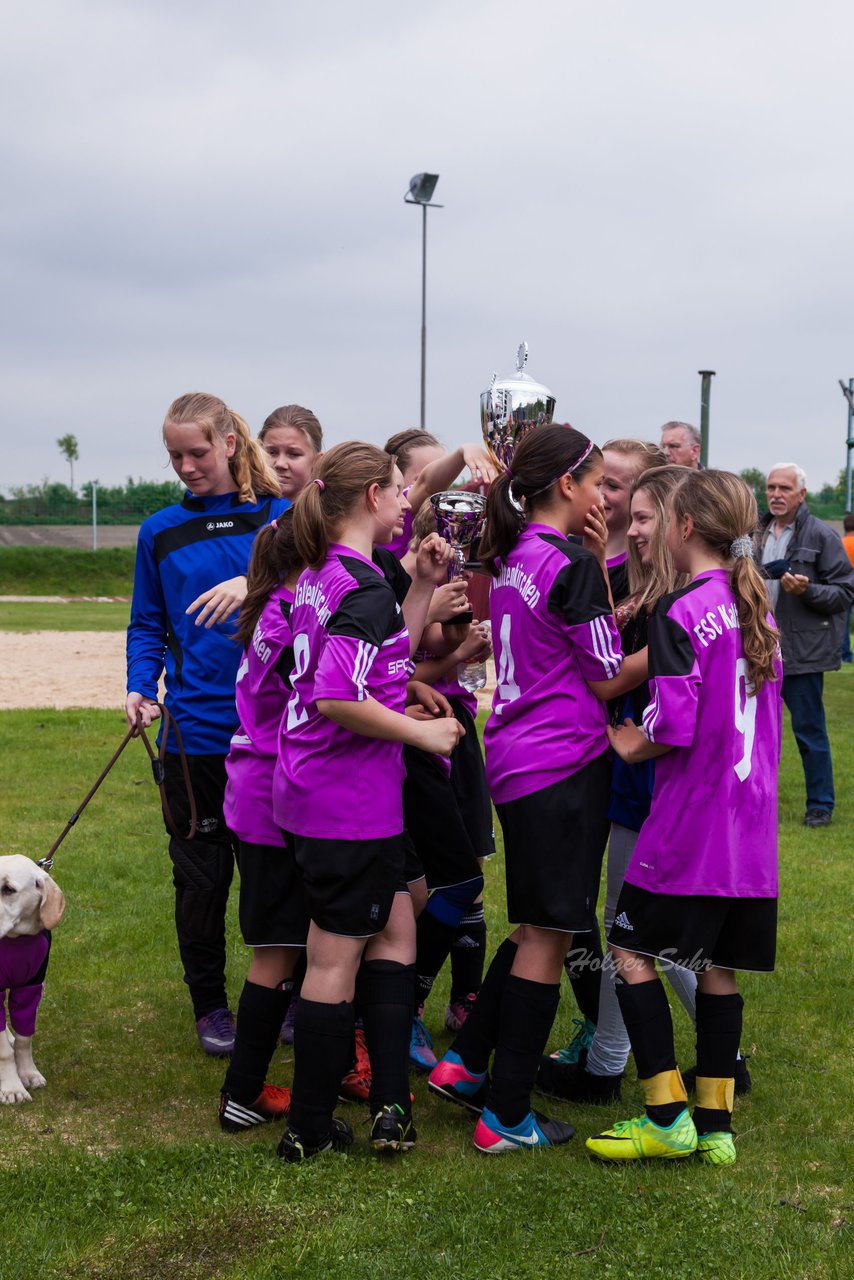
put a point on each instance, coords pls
(273, 919)
(447, 808)
(701, 886)
(337, 794)
(558, 657)
(623, 461)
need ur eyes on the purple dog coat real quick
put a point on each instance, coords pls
(23, 963)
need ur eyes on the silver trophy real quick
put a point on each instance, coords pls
(459, 520)
(511, 408)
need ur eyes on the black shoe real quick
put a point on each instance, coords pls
(292, 1148)
(392, 1130)
(743, 1082)
(817, 818)
(571, 1083)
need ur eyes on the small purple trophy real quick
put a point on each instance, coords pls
(511, 408)
(459, 520)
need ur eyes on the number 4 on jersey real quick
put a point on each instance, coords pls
(508, 689)
(745, 717)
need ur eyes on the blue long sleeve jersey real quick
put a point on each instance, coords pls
(181, 552)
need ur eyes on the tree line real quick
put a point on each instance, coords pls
(54, 503)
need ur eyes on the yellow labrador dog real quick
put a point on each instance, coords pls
(31, 903)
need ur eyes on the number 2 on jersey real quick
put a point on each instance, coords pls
(508, 689)
(745, 717)
(296, 712)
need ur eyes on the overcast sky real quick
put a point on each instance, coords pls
(210, 197)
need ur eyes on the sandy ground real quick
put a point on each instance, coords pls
(62, 669)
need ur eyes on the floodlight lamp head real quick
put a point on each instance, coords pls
(421, 188)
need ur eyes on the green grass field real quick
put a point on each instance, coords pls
(70, 615)
(48, 571)
(118, 1169)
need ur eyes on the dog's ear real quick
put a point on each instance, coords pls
(53, 903)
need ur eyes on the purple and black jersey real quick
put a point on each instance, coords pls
(262, 690)
(553, 631)
(350, 643)
(712, 828)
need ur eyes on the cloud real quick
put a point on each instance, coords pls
(201, 198)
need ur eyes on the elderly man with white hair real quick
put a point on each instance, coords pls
(811, 585)
(680, 444)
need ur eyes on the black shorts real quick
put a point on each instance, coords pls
(349, 885)
(468, 779)
(554, 842)
(412, 868)
(435, 822)
(272, 903)
(697, 932)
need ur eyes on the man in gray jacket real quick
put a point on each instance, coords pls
(811, 584)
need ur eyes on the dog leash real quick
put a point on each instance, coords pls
(157, 768)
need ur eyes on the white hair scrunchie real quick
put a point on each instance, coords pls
(741, 547)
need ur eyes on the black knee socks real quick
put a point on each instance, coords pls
(260, 1014)
(585, 972)
(646, 1014)
(468, 953)
(433, 940)
(527, 1012)
(323, 1043)
(719, 1020)
(478, 1036)
(384, 995)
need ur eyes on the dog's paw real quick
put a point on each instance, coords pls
(32, 1079)
(11, 1097)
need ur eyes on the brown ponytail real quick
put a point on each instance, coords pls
(723, 509)
(344, 474)
(274, 558)
(402, 445)
(249, 466)
(545, 454)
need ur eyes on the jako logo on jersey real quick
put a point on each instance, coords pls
(219, 524)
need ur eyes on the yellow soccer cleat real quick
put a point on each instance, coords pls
(643, 1139)
(716, 1148)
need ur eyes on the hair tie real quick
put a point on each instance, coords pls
(741, 547)
(321, 486)
(274, 523)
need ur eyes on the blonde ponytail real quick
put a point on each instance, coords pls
(724, 512)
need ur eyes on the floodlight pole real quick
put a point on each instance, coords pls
(423, 315)
(848, 392)
(421, 188)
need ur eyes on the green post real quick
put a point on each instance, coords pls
(705, 396)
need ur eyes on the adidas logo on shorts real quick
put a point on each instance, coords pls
(622, 921)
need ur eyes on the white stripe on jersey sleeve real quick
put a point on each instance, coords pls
(650, 715)
(603, 648)
(365, 655)
(616, 658)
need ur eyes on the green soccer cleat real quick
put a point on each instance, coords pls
(643, 1139)
(716, 1148)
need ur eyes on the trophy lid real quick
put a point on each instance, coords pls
(520, 389)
